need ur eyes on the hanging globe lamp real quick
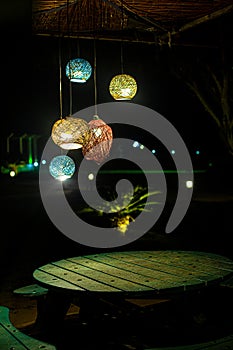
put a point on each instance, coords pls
(123, 87)
(70, 133)
(100, 142)
(78, 70)
(62, 167)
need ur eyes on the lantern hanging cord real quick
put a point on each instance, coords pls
(68, 30)
(60, 69)
(95, 84)
(60, 86)
(122, 67)
(122, 26)
(78, 48)
(70, 93)
(60, 78)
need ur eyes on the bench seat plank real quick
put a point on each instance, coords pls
(8, 341)
(13, 338)
(32, 290)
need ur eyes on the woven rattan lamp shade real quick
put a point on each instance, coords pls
(70, 133)
(123, 87)
(62, 167)
(100, 143)
(78, 70)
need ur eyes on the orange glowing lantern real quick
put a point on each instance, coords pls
(99, 145)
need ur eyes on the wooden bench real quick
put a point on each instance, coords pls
(39, 293)
(13, 339)
(32, 291)
(36, 292)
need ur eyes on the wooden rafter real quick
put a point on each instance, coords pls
(143, 20)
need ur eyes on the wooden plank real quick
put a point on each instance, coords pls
(32, 290)
(213, 261)
(154, 278)
(156, 270)
(7, 341)
(78, 280)
(185, 261)
(189, 267)
(170, 272)
(12, 338)
(29, 342)
(213, 256)
(182, 269)
(174, 254)
(109, 280)
(51, 280)
(130, 274)
(186, 257)
(135, 271)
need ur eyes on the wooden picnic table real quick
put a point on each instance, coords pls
(135, 272)
(129, 274)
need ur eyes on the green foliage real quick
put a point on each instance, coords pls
(122, 215)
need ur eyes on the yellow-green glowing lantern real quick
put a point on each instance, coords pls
(123, 87)
(70, 133)
(62, 167)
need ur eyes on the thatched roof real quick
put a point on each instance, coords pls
(152, 21)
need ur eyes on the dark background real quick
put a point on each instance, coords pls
(30, 104)
(30, 79)
(31, 95)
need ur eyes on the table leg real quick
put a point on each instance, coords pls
(89, 308)
(52, 314)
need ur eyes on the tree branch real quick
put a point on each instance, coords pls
(201, 98)
(215, 79)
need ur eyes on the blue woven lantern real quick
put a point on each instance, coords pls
(78, 70)
(62, 167)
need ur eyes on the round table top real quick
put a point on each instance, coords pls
(136, 271)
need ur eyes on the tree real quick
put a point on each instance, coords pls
(210, 78)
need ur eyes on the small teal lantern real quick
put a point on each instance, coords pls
(62, 167)
(78, 70)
